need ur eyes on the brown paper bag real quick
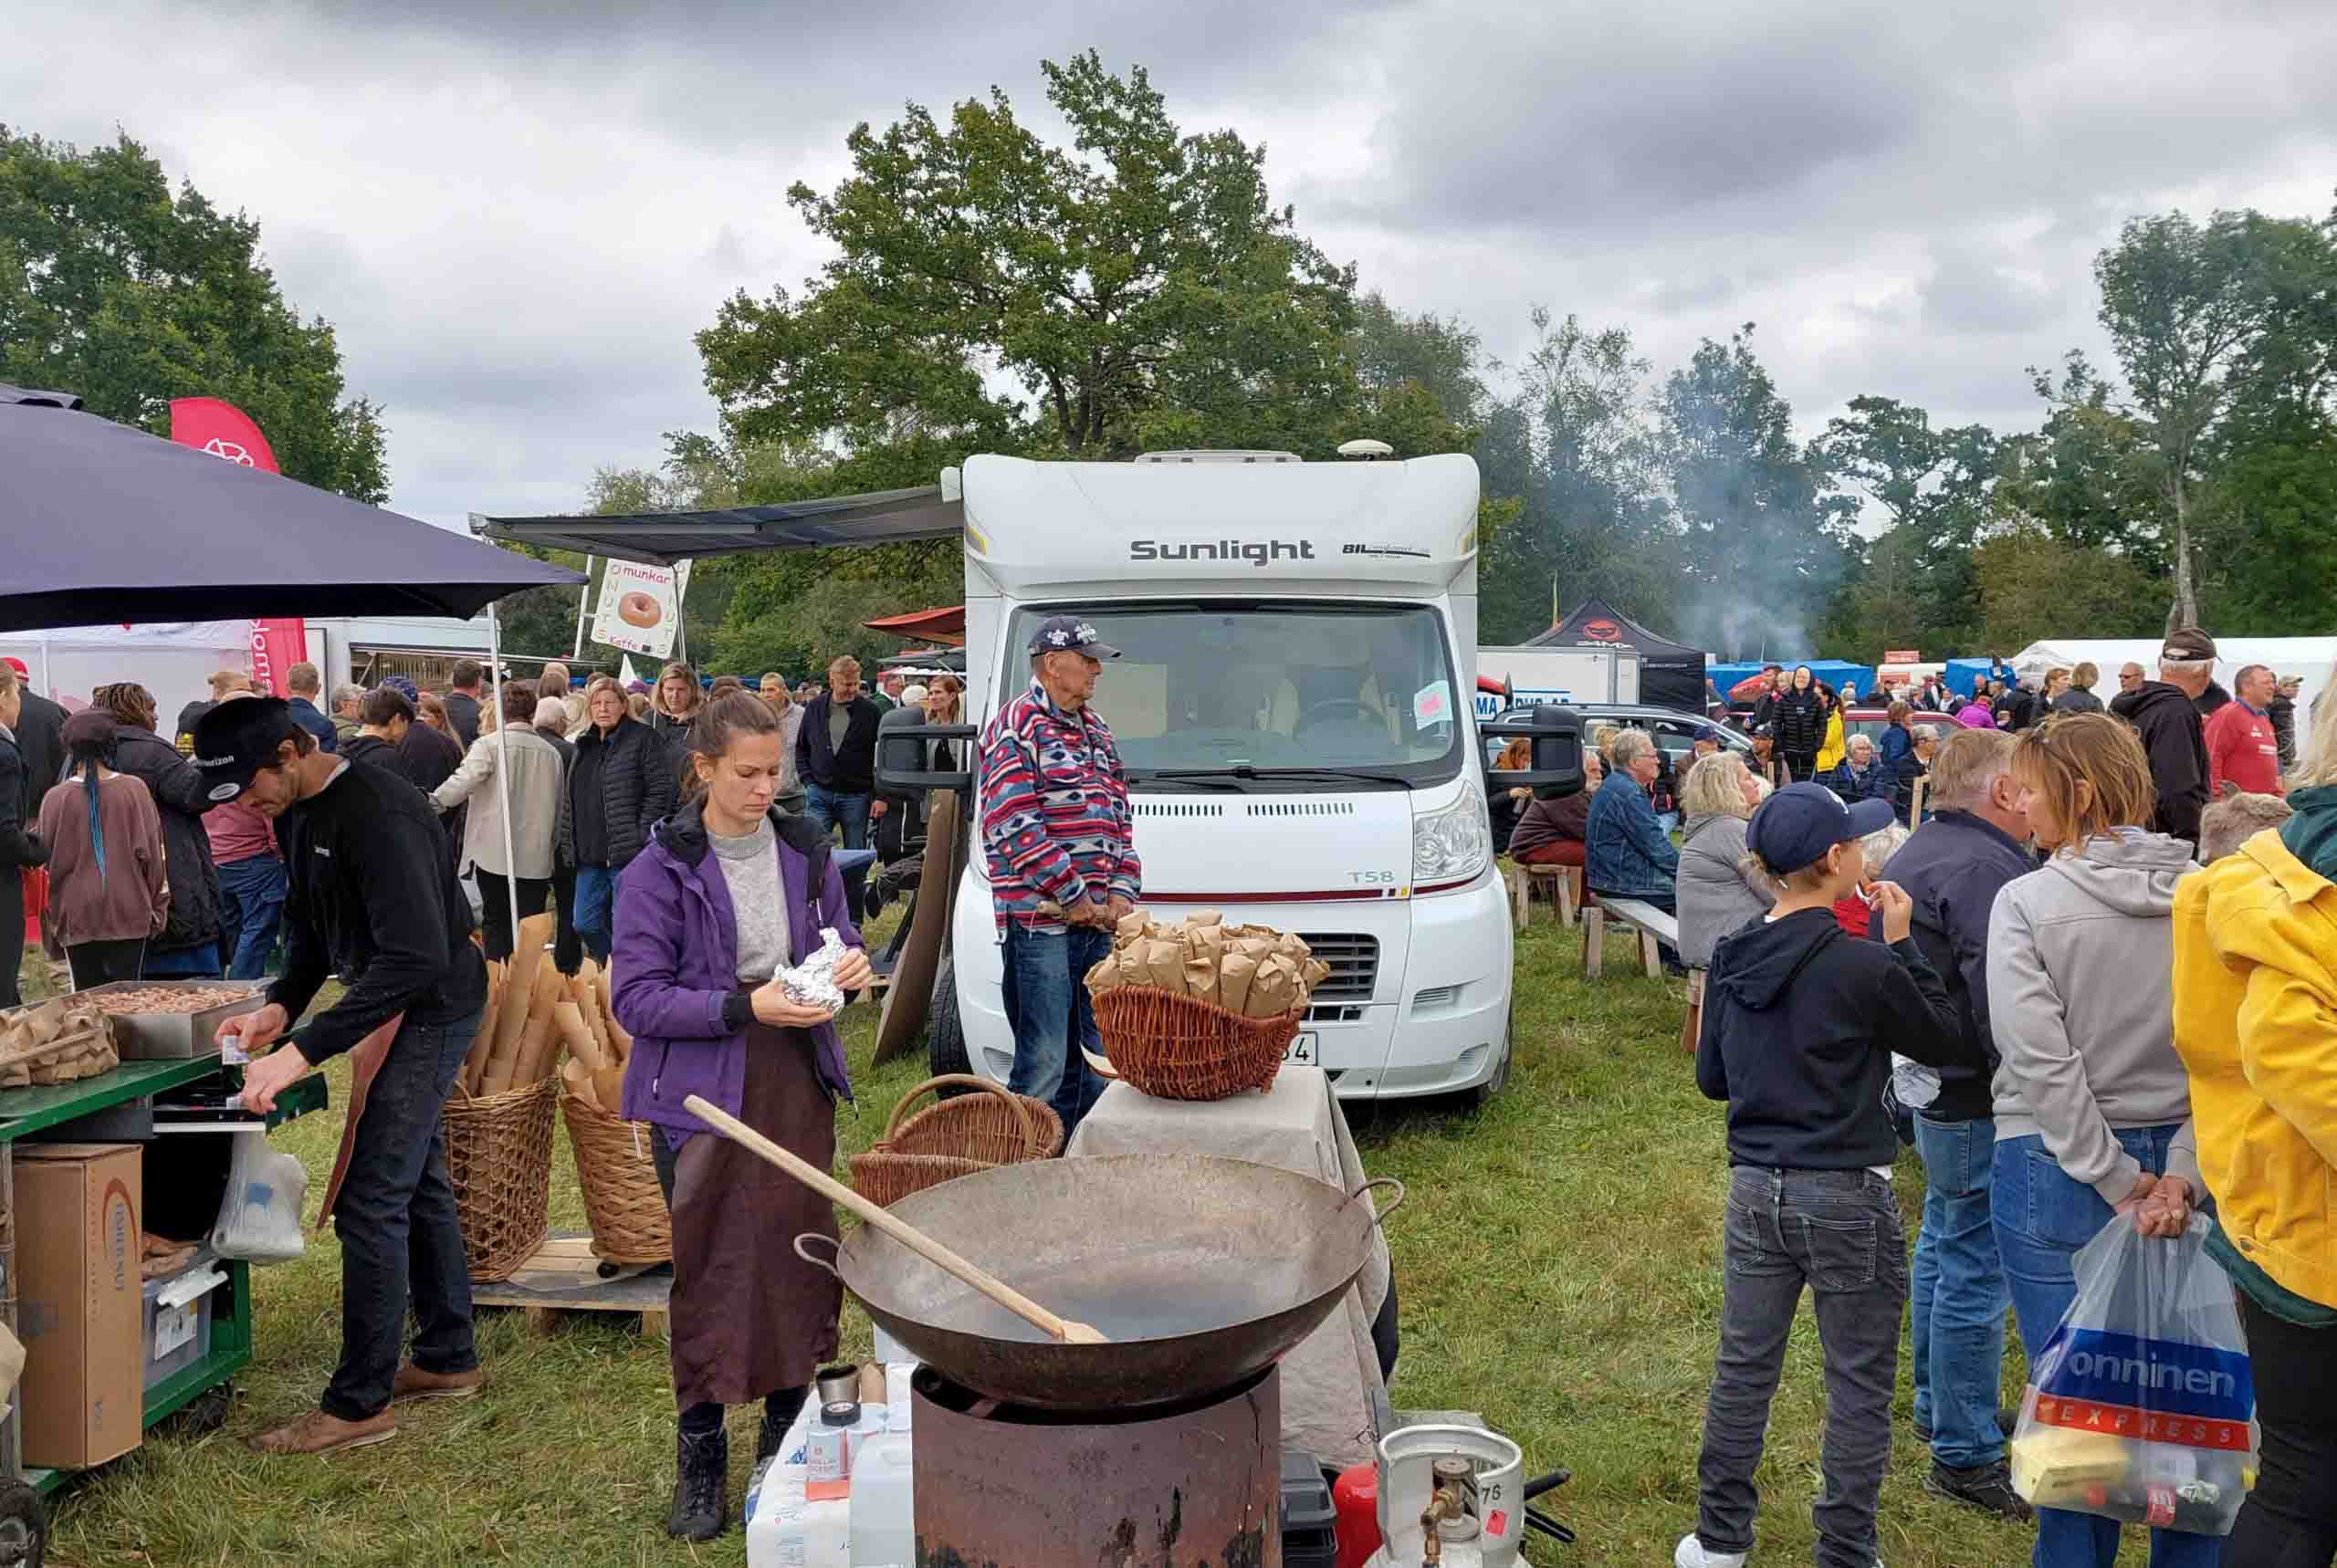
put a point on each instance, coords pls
(1131, 925)
(1273, 990)
(1200, 980)
(1163, 965)
(1106, 975)
(1233, 982)
(1205, 917)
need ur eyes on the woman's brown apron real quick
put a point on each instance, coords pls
(748, 1317)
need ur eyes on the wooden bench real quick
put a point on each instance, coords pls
(1650, 922)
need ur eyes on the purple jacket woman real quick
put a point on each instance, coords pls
(675, 962)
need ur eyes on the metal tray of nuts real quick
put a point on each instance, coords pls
(164, 1036)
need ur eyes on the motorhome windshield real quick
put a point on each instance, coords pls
(1270, 695)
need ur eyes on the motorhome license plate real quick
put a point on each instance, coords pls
(1301, 1050)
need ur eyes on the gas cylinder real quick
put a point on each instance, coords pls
(1464, 1485)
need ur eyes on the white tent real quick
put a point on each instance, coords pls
(2312, 657)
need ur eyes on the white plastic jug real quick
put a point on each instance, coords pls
(884, 1509)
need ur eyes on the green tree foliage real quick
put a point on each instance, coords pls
(1914, 589)
(1140, 288)
(1763, 543)
(1578, 448)
(2033, 586)
(113, 288)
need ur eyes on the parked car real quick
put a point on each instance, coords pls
(1674, 731)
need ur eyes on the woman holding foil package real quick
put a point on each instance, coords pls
(729, 892)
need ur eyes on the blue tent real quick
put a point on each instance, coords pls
(1832, 672)
(1963, 674)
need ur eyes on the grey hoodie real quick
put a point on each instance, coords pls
(2081, 999)
(1715, 897)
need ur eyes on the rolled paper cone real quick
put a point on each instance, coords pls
(579, 1081)
(608, 1087)
(569, 1020)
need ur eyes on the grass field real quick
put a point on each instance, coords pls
(1558, 1264)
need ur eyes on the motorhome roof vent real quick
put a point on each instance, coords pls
(1218, 458)
(1366, 450)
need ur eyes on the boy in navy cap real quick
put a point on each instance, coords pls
(1799, 1024)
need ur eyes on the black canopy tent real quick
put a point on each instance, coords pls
(106, 524)
(662, 538)
(1672, 674)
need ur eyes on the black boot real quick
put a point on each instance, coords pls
(780, 1411)
(701, 1487)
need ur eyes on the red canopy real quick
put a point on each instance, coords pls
(945, 625)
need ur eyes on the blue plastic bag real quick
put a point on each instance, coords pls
(2141, 1407)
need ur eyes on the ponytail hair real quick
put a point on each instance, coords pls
(718, 725)
(88, 741)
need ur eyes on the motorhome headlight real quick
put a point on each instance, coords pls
(1453, 844)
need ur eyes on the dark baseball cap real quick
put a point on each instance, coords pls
(1709, 732)
(1796, 826)
(2188, 644)
(235, 740)
(1070, 634)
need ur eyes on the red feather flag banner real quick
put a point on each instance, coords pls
(226, 432)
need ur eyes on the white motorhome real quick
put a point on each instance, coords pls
(1294, 709)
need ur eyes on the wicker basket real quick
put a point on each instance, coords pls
(617, 1176)
(974, 1131)
(499, 1156)
(1181, 1048)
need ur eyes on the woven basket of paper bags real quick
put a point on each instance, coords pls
(1200, 1009)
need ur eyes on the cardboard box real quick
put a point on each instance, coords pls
(78, 1301)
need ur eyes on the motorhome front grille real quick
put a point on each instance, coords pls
(1302, 808)
(1355, 967)
(1178, 809)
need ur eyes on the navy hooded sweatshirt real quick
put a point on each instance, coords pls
(1800, 1019)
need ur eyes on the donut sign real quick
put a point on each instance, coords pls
(639, 609)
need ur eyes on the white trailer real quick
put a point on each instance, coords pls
(1534, 675)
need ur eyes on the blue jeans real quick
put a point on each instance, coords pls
(200, 962)
(1047, 1005)
(1957, 1295)
(2042, 1218)
(251, 907)
(832, 810)
(399, 1234)
(596, 890)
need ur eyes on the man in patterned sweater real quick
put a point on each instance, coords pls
(1062, 863)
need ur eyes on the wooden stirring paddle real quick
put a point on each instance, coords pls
(908, 1234)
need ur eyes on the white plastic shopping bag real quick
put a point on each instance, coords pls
(2141, 1407)
(260, 1217)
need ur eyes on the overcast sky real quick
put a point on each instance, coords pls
(516, 215)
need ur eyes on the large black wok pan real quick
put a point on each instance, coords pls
(1197, 1271)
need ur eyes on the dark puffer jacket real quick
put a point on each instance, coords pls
(1801, 724)
(638, 788)
(177, 788)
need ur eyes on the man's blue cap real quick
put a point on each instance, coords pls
(1709, 732)
(1070, 634)
(1795, 827)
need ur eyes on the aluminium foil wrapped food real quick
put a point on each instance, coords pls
(812, 982)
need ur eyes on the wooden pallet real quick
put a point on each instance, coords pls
(565, 1277)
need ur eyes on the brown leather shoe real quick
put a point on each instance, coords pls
(319, 1432)
(412, 1382)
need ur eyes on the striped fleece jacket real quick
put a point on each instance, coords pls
(1055, 820)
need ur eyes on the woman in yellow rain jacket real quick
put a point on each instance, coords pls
(2256, 1023)
(1834, 747)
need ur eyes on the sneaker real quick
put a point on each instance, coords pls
(1692, 1554)
(1987, 1487)
(319, 1432)
(412, 1382)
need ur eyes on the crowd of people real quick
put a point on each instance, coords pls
(2032, 981)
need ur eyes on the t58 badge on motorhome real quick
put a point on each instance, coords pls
(1257, 552)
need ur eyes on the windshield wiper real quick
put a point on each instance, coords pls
(1246, 771)
(1209, 778)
